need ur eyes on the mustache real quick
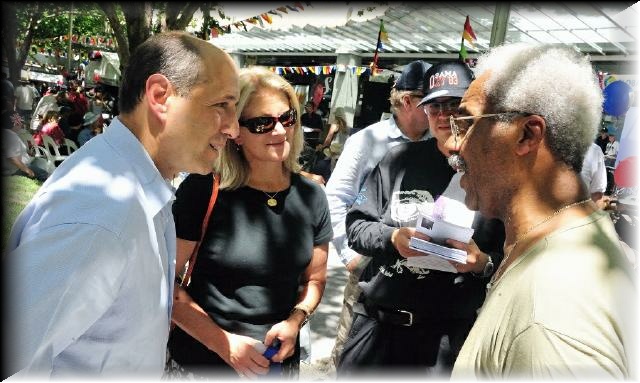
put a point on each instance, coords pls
(457, 163)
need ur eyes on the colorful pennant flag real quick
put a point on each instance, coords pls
(266, 17)
(382, 36)
(467, 34)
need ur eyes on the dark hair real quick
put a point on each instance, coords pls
(176, 55)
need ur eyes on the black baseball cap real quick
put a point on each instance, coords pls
(412, 77)
(447, 79)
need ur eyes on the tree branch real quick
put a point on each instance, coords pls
(186, 15)
(119, 31)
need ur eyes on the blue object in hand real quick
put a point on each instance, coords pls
(275, 369)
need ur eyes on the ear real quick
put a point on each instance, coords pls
(532, 134)
(406, 101)
(158, 89)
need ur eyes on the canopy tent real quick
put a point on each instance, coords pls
(103, 68)
(604, 30)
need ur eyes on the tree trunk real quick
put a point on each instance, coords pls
(186, 14)
(119, 32)
(138, 17)
(9, 40)
(16, 61)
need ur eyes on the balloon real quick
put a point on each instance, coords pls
(625, 173)
(616, 98)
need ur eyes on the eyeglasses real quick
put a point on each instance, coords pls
(460, 125)
(435, 108)
(265, 124)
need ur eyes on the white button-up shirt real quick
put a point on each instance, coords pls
(362, 152)
(594, 172)
(91, 263)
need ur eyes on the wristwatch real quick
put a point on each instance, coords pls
(304, 312)
(488, 268)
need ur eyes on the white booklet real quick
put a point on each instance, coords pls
(446, 218)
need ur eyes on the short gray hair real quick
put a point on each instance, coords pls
(552, 81)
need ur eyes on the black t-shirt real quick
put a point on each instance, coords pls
(252, 257)
(410, 174)
(312, 120)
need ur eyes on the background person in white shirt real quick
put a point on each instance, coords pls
(612, 147)
(25, 95)
(92, 256)
(594, 174)
(362, 152)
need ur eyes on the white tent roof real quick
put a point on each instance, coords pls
(605, 30)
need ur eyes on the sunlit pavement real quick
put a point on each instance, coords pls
(324, 323)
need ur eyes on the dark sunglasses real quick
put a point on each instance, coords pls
(265, 124)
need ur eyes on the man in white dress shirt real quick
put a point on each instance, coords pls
(594, 174)
(92, 257)
(360, 155)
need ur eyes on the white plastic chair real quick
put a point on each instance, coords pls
(71, 146)
(43, 158)
(51, 145)
(26, 137)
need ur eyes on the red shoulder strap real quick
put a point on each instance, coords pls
(205, 222)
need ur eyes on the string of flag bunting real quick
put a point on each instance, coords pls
(58, 45)
(319, 69)
(260, 19)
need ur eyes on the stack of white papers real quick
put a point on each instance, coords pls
(447, 219)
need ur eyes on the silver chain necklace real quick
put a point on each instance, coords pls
(498, 274)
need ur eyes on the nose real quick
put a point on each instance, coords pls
(279, 128)
(230, 127)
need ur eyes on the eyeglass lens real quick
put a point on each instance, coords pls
(435, 108)
(265, 124)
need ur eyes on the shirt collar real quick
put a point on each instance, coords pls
(395, 132)
(157, 190)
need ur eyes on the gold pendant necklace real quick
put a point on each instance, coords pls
(272, 201)
(498, 274)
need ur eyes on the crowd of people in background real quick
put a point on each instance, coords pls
(59, 111)
(236, 258)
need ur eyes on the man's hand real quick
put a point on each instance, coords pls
(401, 238)
(476, 259)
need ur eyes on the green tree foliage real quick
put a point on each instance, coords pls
(40, 24)
(130, 23)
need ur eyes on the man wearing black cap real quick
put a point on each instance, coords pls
(404, 312)
(361, 153)
(603, 139)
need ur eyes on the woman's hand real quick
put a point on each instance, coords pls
(286, 332)
(244, 358)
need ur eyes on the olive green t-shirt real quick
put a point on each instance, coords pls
(564, 309)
